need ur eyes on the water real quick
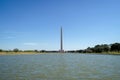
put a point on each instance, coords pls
(60, 67)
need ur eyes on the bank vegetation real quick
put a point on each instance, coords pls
(97, 49)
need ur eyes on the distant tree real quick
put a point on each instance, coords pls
(16, 50)
(1, 50)
(43, 51)
(89, 50)
(35, 50)
(105, 47)
(98, 49)
(115, 47)
(101, 48)
(71, 51)
(79, 51)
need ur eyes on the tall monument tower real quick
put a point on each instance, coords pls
(61, 41)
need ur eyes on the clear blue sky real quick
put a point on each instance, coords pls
(35, 24)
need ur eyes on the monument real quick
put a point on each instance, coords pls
(61, 41)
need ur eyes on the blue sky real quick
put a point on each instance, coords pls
(35, 24)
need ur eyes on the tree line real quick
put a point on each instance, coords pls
(37, 51)
(115, 47)
(100, 48)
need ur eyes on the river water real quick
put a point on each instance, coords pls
(57, 66)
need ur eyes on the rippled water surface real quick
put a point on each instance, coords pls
(56, 66)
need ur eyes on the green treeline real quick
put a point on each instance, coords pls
(16, 50)
(102, 48)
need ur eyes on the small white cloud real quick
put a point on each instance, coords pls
(30, 44)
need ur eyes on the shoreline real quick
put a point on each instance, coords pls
(22, 53)
(18, 53)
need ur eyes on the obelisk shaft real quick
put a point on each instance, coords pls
(61, 41)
